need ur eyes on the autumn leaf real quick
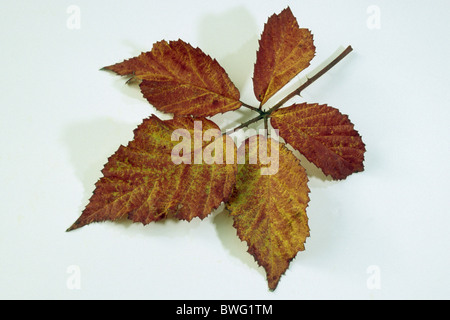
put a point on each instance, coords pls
(185, 167)
(269, 210)
(284, 51)
(323, 135)
(177, 78)
(142, 182)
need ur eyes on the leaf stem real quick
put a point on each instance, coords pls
(266, 114)
(246, 124)
(252, 108)
(266, 126)
(312, 79)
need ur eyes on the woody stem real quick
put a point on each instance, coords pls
(266, 114)
(249, 122)
(312, 79)
(251, 108)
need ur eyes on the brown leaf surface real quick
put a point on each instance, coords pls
(141, 182)
(323, 135)
(269, 211)
(179, 79)
(284, 51)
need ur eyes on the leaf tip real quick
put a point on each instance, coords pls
(108, 68)
(77, 224)
(72, 227)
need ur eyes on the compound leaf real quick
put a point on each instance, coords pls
(143, 181)
(269, 209)
(156, 175)
(325, 136)
(180, 79)
(284, 51)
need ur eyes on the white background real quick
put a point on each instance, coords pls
(61, 118)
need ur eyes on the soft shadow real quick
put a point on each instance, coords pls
(311, 169)
(90, 144)
(232, 38)
(128, 86)
(228, 236)
(123, 83)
